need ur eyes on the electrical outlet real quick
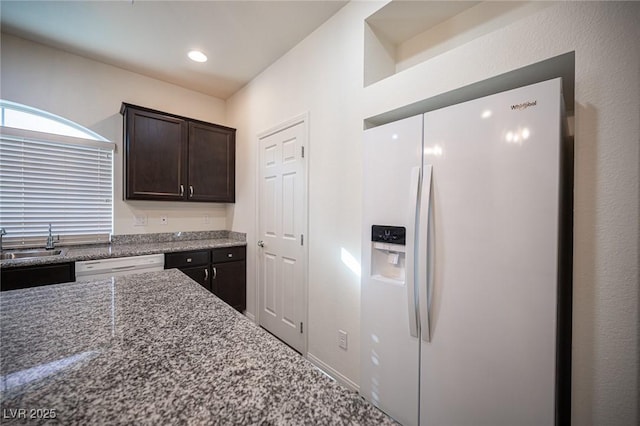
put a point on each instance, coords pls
(140, 220)
(342, 339)
(164, 220)
(206, 218)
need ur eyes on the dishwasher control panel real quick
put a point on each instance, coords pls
(118, 266)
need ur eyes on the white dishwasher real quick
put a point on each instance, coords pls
(113, 267)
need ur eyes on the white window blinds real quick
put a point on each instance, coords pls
(61, 180)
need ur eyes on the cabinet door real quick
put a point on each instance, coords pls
(33, 276)
(212, 157)
(155, 157)
(199, 274)
(229, 283)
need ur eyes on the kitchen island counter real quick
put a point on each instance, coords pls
(156, 348)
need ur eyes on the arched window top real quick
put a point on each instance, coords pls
(25, 117)
(53, 172)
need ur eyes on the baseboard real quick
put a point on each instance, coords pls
(333, 373)
(250, 316)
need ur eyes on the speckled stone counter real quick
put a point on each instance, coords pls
(137, 245)
(156, 348)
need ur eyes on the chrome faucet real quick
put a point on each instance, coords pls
(51, 243)
(2, 233)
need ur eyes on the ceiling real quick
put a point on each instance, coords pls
(241, 38)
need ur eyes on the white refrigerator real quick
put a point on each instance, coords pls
(466, 263)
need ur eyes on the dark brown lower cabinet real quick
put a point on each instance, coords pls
(229, 283)
(222, 271)
(195, 264)
(199, 274)
(34, 276)
(229, 275)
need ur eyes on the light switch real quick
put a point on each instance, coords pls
(342, 339)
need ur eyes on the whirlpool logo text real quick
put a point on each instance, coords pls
(524, 105)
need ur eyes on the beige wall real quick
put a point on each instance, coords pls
(323, 76)
(90, 93)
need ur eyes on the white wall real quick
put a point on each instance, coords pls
(91, 93)
(323, 75)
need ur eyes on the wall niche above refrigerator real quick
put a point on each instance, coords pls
(172, 158)
(403, 34)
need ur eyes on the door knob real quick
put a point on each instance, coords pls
(260, 243)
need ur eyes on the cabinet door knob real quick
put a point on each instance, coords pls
(215, 272)
(190, 190)
(206, 274)
(260, 243)
(181, 190)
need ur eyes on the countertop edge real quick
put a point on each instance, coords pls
(107, 251)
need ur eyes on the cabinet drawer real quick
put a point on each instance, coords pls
(186, 258)
(228, 254)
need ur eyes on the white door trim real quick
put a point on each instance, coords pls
(304, 119)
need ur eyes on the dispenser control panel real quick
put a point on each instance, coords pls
(388, 234)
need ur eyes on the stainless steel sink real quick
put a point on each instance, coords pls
(24, 254)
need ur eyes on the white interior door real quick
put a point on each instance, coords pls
(282, 278)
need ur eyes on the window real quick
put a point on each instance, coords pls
(53, 171)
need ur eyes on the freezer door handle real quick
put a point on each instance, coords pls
(425, 254)
(414, 196)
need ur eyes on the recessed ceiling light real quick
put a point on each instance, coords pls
(197, 56)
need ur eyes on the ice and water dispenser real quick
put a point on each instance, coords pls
(388, 256)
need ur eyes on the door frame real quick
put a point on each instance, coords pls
(304, 120)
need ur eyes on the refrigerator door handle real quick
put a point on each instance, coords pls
(410, 272)
(425, 266)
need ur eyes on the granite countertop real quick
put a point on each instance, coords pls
(136, 245)
(155, 348)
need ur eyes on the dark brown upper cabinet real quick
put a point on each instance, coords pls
(173, 158)
(212, 159)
